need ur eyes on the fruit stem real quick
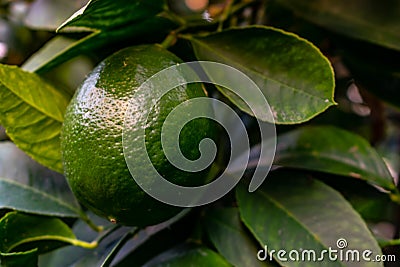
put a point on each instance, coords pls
(387, 243)
(90, 223)
(84, 244)
(94, 243)
(169, 40)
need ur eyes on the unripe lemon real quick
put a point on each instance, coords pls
(91, 138)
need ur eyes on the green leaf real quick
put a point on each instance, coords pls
(138, 250)
(58, 51)
(371, 203)
(295, 212)
(32, 111)
(155, 240)
(376, 22)
(111, 24)
(34, 91)
(53, 48)
(20, 197)
(18, 259)
(108, 14)
(69, 75)
(332, 150)
(110, 257)
(296, 79)
(189, 257)
(15, 165)
(226, 233)
(22, 232)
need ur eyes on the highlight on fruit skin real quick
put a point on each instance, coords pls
(91, 137)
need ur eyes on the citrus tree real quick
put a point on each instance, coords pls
(77, 106)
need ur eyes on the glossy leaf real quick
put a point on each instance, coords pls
(332, 150)
(23, 232)
(67, 76)
(152, 29)
(34, 91)
(17, 196)
(296, 79)
(370, 202)
(18, 259)
(112, 24)
(16, 166)
(110, 257)
(32, 112)
(229, 237)
(376, 22)
(188, 256)
(154, 240)
(47, 53)
(144, 245)
(295, 212)
(107, 14)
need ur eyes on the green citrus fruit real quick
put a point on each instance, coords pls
(91, 141)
